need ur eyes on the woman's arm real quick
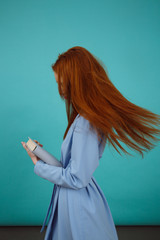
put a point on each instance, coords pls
(84, 161)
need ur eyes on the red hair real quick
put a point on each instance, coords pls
(90, 93)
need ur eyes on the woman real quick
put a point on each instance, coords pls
(96, 112)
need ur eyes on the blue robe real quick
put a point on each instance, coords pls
(79, 209)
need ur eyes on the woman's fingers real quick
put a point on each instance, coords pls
(32, 156)
(27, 149)
(38, 143)
(24, 145)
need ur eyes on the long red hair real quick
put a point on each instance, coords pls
(90, 93)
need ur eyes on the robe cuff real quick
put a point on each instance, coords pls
(38, 163)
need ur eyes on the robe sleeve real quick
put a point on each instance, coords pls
(84, 161)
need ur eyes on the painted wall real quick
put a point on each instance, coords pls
(125, 36)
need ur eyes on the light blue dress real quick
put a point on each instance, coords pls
(79, 209)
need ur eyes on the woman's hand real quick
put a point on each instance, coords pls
(33, 157)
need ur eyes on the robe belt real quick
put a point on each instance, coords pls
(50, 205)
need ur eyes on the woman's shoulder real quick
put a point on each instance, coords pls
(82, 123)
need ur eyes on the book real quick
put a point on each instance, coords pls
(42, 153)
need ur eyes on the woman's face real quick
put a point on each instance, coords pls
(56, 77)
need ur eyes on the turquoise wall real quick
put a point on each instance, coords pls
(125, 36)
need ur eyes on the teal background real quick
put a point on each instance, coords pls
(125, 35)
